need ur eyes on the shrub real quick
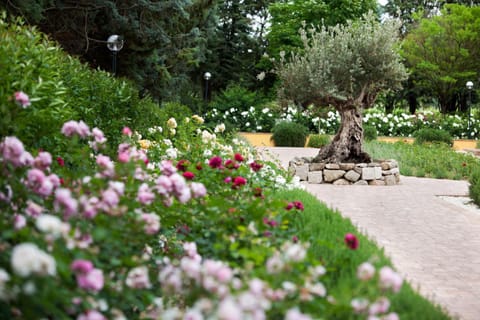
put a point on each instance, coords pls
(174, 110)
(369, 133)
(426, 135)
(29, 64)
(318, 140)
(61, 88)
(289, 134)
(474, 188)
(235, 96)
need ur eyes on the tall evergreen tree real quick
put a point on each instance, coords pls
(164, 40)
(238, 43)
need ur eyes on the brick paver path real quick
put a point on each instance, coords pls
(435, 244)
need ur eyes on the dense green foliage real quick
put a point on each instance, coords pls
(237, 44)
(164, 40)
(408, 11)
(33, 64)
(474, 187)
(429, 135)
(289, 134)
(444, 73)
(289, 16)
(426, 160)
(370, 133)
(318, 140)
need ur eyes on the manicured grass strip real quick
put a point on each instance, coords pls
(425, 160)
(325, 229)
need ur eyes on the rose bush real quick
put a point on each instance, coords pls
(184, 229)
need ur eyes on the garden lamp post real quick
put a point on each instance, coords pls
(114, 44)
(469, 101)
(207, 76)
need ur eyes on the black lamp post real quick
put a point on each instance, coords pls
(469, 101)
(207, 76)
(114, 44)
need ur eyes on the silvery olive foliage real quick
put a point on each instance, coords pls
(345, 65)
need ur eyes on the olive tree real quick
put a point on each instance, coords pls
(345, 66)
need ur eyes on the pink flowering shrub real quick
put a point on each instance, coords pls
(136, 237)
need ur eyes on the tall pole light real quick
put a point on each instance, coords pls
(114, 44)
(207, 76)
(469, 101)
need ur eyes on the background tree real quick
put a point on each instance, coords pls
(238, 43)
(444, 53)
(406, 10)
(345, 66)
(287, 17)
(164, 40)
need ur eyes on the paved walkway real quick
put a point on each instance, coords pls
(435, 244)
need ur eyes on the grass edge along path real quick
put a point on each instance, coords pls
(324, 229)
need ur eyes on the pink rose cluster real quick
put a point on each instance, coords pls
(171, 184)
(387, 279)
(237, 299)
(72, 128)
(13, 152)
(88, 277)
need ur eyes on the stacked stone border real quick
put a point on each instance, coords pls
(380, 172)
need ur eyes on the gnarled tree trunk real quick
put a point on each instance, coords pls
(346, 146)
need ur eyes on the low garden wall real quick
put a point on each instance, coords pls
(383, 172)
(258, 139)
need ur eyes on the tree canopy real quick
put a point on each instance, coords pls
(287, 17)
(345, 66)
(443, 52)
(164, 40)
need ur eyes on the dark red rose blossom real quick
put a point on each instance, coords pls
(188, 175)
(182, 165)
(298, 205)
(239, 181)
(238, 157)
(256, 166)
(60, 162)
(351, 241)
(215, 162)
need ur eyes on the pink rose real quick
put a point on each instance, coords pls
(152, 223)
(91, 315)
(91, 281)
(198, 190)
(22, 99)
(145, 196)
(43, 160)
(81, 266)
(126, 131)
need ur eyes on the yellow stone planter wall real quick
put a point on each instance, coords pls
(264, 140)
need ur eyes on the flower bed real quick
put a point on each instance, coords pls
(176, 231)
